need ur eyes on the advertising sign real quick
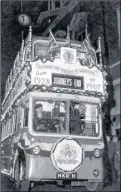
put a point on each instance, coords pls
(58, 75)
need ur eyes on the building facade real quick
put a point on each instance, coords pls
(115, 71)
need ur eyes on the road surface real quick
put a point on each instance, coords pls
(7, 185)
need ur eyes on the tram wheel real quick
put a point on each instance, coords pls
(20, 183)
(93, 186)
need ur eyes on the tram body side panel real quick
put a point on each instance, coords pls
(6, 154)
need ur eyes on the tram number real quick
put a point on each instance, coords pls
(38, 80)
(92, 86)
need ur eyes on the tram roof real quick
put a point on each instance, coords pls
(59, 40)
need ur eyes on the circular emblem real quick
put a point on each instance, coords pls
(67, 155)
(24, 19)
(68, 57)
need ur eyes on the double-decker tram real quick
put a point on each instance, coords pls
(51, 114)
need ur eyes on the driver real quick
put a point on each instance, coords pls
(43, 123)
(39, 110)
(39, 121)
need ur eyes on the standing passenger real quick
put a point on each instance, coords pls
(117, 155)
(111, 152)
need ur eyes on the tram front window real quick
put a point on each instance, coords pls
(49, 116)
(83, 119)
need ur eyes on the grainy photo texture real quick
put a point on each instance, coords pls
(60, 72)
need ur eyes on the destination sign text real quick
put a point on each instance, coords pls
(67, 81)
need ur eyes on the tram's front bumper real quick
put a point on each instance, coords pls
(41, 168)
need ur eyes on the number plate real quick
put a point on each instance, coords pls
(66, 176)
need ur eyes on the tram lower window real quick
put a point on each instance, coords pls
(66, 117)
(83, 119)
(49, 116)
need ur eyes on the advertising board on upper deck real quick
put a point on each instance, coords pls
(67, 72)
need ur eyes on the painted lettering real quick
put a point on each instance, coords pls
(77, 83)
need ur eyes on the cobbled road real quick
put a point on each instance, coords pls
(7, 185)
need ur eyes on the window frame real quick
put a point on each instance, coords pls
(97, 118)
(47, 100)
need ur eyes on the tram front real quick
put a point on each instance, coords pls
(65, 118)
(63, 138)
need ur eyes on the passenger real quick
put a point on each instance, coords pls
(56, 110)
(111, 152)
(76, 116)
(82, 115)
(82, 110)
(117, 156)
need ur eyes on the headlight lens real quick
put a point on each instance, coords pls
(36, 150)
(96, 172)
(97, 153)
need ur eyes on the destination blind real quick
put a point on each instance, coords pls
(67, 81)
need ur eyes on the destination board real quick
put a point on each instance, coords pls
(60, 80)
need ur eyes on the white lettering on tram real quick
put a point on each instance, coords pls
(62, 81)
(77, 83)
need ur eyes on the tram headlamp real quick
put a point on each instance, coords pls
(96, 172)
(36, 150)
(97, 153)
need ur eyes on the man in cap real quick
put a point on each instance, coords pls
(111, 152)
(40, 123)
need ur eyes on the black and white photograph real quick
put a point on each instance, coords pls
(60, 96)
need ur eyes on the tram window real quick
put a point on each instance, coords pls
(10, 126)
(5, 133)
(13, 123)
(7, 129)
(49, 116)
(83, 119)
(2, 132)
(40, 50)
(18, 118)
(25, 123)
